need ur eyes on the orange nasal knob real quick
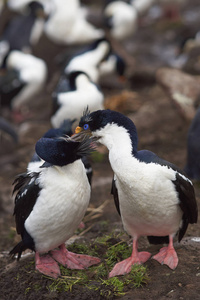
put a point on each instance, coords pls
(78, 129)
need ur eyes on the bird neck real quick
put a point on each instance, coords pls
(82, 82)
(98, 54)
(122, 146)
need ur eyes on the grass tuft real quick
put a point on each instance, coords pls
(112, 250)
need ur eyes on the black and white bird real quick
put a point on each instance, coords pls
(64, 130)
(75, 92)
(23, 30)
(67, 24)
(50, 204)
(121, 17)
(114, 64)
(154, 198)
(97, 60)
(89, 59)
(192, 167)
(23, 78)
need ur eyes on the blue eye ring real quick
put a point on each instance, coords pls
(86, 126)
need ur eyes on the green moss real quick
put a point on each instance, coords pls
(101, 271)
(37, 287)
(117, 253)
(63, 285)
(138, 276)
(111, 250)
(27, 290)
(113, 286)
(79, 248)
(83, 249)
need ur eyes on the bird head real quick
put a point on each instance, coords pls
(62, 151)
(107, 126)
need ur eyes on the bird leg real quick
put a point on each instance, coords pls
(47, 265)
(167, 255)
(72, 260)
(136, 257)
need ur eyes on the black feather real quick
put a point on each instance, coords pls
(63, 151)
(28, 189)
(188, 203)
(27, 192)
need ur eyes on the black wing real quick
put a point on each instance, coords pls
(188, 203)
(27, 193)
(150, 157)
(183, 187)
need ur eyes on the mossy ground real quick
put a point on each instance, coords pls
(111, 250)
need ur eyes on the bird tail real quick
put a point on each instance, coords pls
(18, 249)
(156, 240)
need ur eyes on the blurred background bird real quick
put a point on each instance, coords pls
(23, 78)
(70, 104)
(22, 31)
(67, 24)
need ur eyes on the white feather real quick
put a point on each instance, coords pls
(60, 207)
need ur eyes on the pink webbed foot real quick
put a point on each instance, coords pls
(72, 260)
(47, 265)
(124, 267)
(167, 255)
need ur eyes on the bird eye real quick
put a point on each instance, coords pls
(86, 126)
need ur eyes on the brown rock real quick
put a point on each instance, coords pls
(183, 89)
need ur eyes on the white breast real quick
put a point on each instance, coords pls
(60, 207)
(148, 201)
